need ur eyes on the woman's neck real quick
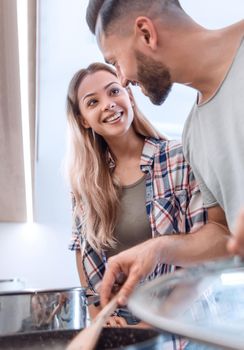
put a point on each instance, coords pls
(127, 151)
(127, 146)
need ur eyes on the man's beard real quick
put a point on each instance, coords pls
(154, 77)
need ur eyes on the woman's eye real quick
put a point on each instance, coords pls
(115, 91)
(91, 103)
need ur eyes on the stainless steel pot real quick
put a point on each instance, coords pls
(43, 310)
(49, 319)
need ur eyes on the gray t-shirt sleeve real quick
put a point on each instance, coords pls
(208, 198)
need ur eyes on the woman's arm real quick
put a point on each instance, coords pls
(93, 310)
(113, 321)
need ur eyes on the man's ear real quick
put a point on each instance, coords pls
(128, 89)
(146, 31)
(131, 97)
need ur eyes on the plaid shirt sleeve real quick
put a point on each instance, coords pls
(174, 202)
(189, 212)
(196, 214)
(173, 199)
(92, 262)
(76, 228)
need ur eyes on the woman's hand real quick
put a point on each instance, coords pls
(116, 321)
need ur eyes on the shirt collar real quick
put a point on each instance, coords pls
(148, 152)
(147, 158)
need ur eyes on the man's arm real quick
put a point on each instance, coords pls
(236, 242)
(209, 242)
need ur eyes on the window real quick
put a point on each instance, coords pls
(66, 45)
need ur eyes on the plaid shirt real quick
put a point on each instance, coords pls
(173, 204)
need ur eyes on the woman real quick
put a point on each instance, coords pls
(128, 182)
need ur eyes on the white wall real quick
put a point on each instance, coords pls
(39, 254)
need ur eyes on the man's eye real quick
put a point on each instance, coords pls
(91, 103)
(115, 65)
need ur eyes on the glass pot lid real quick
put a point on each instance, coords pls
(204, 303)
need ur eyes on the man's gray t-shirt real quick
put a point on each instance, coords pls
(213, 142)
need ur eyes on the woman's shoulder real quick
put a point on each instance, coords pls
(170, 148)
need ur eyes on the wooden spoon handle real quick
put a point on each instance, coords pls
(87, 338)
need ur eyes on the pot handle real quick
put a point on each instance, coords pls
(91, 297)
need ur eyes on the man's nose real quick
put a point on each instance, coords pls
(123, 80)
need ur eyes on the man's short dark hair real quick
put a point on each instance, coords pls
(110, 11)
(92, 11)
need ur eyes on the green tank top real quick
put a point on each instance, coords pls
(133, 226)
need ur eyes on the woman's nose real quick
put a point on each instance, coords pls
(109, 106)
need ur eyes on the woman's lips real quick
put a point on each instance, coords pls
(113, 118)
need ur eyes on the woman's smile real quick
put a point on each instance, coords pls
(114, 118)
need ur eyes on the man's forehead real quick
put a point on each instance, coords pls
(98, 30)
(107, 45)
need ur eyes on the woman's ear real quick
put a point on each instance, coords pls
(146, 32)
(85, 123)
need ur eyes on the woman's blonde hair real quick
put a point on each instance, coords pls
(95, 188)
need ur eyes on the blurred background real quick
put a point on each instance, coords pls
(42, 44)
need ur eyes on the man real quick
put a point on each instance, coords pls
(154, 44)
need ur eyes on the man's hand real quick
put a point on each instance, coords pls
(130, 267)
(127, 269)
(236, 242)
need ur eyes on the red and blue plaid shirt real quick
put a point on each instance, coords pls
(173, 204)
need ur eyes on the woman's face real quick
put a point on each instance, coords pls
(105, 105)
